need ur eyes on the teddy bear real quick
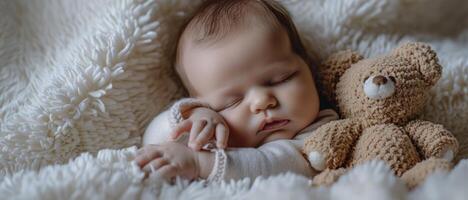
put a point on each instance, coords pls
(379, 100)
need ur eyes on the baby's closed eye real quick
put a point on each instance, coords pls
(232, 103)
(282, 79)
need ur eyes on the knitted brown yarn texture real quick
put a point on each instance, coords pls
(380, 100)
(417, 174)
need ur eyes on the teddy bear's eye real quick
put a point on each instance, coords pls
(393, 79)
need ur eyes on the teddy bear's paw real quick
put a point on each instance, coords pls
(448, 155)
(317, 160)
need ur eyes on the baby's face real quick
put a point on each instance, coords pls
(255, 81)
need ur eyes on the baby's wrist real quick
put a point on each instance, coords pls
(205, 162)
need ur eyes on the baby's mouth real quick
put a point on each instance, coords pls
(272, 125)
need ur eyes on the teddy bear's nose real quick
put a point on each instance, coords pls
(379, 80)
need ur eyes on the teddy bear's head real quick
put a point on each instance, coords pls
(387, 89)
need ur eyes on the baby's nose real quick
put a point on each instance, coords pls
(379, 80)
(262, 103)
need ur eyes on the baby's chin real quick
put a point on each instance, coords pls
(280, 135)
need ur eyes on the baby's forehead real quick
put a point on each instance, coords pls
(252, 56)
(215, 26)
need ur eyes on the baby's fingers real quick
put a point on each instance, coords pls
(222, 135)
(205, 135)
(181, 128)
(146, 156)
(167, 172)
(195, 131)
(154, 165)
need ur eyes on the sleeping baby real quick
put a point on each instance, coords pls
(253, 98)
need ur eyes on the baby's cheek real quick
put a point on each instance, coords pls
(301, 102)
(242, 127)
(236, 119)
(295, 94)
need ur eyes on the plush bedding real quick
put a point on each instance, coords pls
(80, 80)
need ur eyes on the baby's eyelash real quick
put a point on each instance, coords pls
(282, 80)
(237, 101)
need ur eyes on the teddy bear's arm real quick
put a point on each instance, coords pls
(329, 145)
(432, 140)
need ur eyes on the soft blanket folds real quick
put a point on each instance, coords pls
(87, 76)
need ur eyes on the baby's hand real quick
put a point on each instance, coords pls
(203, 124)
(168, 160)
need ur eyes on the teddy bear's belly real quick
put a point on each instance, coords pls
(388, 143)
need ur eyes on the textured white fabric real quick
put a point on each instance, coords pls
(81, 76)
(110, 175)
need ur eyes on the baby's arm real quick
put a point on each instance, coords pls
(158, 130)
(161, 154)
(174, 159)
(188, 115)
(235, 163)
(269, 159)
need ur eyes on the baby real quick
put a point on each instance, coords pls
(252, 91)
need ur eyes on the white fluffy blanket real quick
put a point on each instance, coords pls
(82, 76)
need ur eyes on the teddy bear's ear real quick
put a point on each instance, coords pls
(424, 58)
(332, 68)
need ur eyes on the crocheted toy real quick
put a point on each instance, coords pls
(379, 100)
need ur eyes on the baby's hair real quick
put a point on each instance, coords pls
(215, 19)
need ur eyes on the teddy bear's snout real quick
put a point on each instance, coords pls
(379, 87)
(379, 80)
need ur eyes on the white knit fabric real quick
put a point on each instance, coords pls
(82, 76)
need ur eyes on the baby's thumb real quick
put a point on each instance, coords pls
(181, 128)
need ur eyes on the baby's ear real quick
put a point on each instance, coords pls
(333, 68)
(423, 58)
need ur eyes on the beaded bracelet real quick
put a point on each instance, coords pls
(219, 167)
